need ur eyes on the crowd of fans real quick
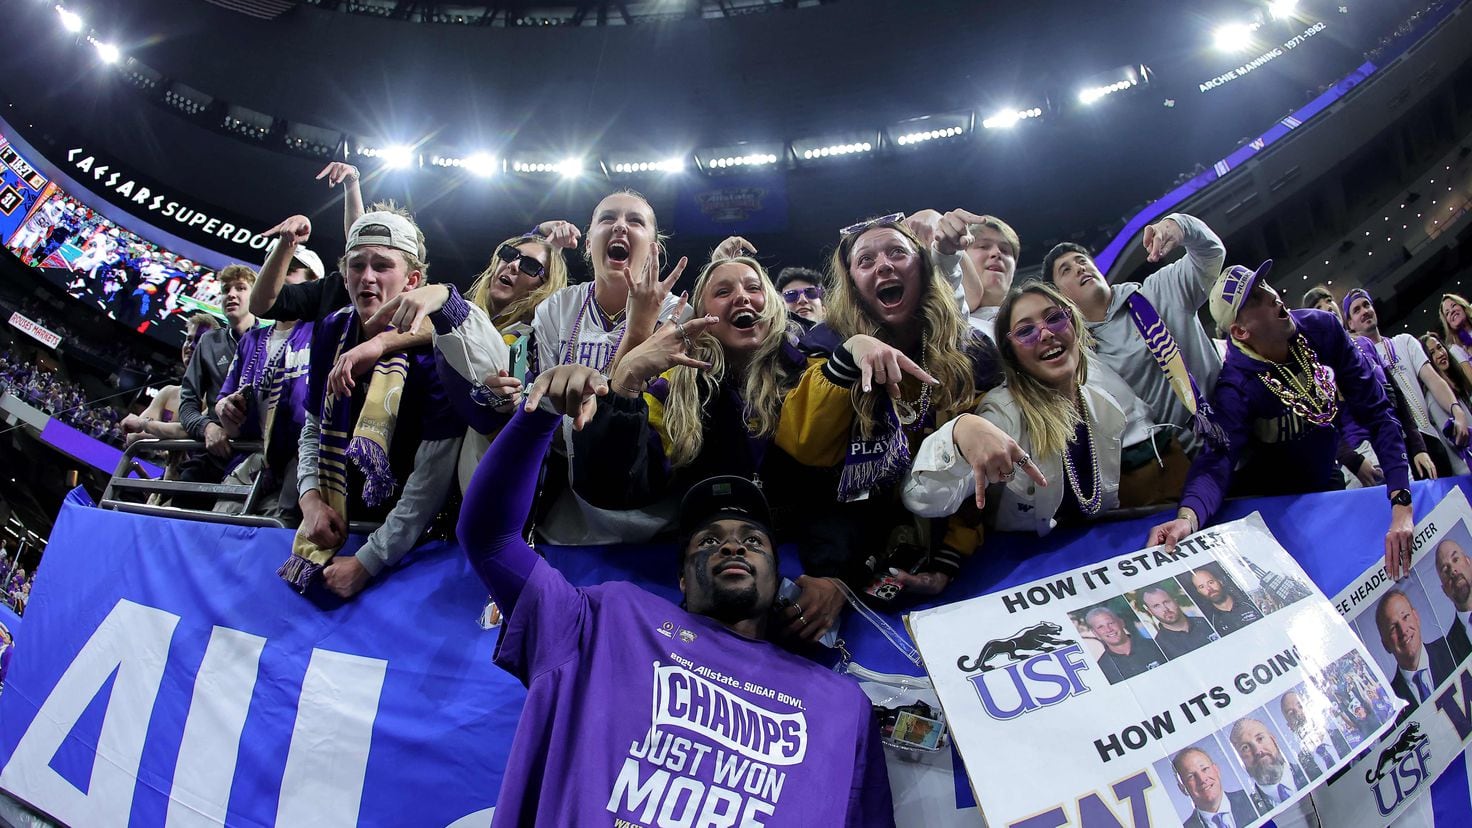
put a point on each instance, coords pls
(15, 585)
(60, 398)
(883, 414)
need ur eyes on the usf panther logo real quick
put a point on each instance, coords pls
(1401, 769)
(1042, 670)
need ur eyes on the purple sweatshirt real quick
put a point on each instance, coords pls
(640, 711)
(1284, 453)
(252, 354)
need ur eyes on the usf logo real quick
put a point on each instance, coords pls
(1041, 670)
(1401, 769)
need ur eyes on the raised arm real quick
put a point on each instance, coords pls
(272, 278)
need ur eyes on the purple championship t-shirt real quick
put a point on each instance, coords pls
(642, 714)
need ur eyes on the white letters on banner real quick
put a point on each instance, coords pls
(1417, 629)
(1149, 689)
(326, 760)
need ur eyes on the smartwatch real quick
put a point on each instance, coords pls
(1400, 497)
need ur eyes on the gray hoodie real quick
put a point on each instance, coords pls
(1177, 291)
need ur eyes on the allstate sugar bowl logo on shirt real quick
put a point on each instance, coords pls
(710, 756)
(1041, 670)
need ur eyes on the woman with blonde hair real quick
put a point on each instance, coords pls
(892, 321)
(1056, 403)
(482, 339)
(1456, 330)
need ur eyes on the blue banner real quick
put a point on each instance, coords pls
(173, 677)
(733, 205)
(167, 675)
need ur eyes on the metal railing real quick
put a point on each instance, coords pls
(123, 480)
(130, 476)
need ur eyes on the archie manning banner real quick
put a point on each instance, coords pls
(1152, 686)
(1417, 631)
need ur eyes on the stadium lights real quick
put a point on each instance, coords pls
(928, 135)
(834, 146)
(1094, 93)
(70, 20)
(567, 168)
(739, 156)
(107, 51)
(756, 160)
(673, 164)
(394, 157)
(480, 164)
(1281, 9)
(1009, 117)
(928, 128)
(1234, 37)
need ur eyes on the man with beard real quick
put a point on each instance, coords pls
(1225, 606)
(1420, 666)
(1178, 633)
(1200, 778)
(1258, 749)
(1454, 569)
(1319, 744)
(721, 692)
(1124, 655)
(1286, 376)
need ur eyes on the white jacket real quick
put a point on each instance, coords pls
(941, 480)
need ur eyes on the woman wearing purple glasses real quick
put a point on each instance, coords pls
(1055, 404)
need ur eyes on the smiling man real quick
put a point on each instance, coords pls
(637, 707)
(1286, 375)
(1200, 778)
(1420, 666)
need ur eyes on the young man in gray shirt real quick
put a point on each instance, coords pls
(1164, 305)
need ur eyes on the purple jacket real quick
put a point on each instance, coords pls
(1283, 453)
(248, 369)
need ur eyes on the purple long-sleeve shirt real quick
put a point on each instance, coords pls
(1284, 453)
(635, 705)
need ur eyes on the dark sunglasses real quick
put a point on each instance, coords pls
(1027, 334)
(791, 295)
(526, 264)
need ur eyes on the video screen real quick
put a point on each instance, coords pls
(110, 268)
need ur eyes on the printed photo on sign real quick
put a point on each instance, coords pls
(1274, 775)
(1453, 568)
(1118, 639)
(1205, 783)
(1360, 704)
(1313, 730)
(1268, 590)
(1225, 603)
(1413, 649)
(1077, 655)
(1176, 623)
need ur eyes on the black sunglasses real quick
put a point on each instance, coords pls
(526, 264)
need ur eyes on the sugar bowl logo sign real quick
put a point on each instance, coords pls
(1041, 670)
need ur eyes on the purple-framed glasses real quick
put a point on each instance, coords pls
(1028, 334)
